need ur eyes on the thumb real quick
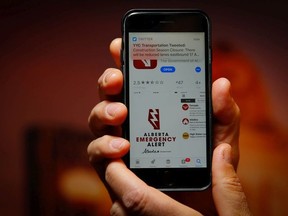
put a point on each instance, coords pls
(131, 196)
(227, 190)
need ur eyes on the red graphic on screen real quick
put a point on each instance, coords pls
(154, 118)
(185, 121)
(185, 106)
(145, 63)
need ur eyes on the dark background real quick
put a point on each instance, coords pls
(52, 53)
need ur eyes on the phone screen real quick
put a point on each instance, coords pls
(167, 100)
(167, 89)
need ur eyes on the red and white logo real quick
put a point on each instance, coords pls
(145, 63)
(185, 106)
(154, 118)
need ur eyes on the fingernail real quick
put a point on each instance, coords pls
(105, 77)
(111, 109)
(117, 143)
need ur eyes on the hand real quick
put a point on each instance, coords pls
(129, 194)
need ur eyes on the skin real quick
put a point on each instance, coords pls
(129, 194)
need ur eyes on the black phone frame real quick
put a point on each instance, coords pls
(135, 20)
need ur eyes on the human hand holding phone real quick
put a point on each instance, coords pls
(129, 194)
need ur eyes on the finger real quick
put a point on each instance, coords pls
(110, 83)
(106, 118)
(227, 191)
(225, 109)
(117, 209)
(137, 198)
(103, 149)
(107, 147)
(226, 117)
(115, 50)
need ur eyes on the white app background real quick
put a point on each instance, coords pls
(167, 89)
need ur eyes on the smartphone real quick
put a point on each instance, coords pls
(166, 62)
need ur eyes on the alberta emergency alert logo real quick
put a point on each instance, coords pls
(145, 63)
(154, 118)
(155, 138)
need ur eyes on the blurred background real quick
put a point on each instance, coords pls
(51, 56)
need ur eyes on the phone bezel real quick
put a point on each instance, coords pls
(172, 20)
